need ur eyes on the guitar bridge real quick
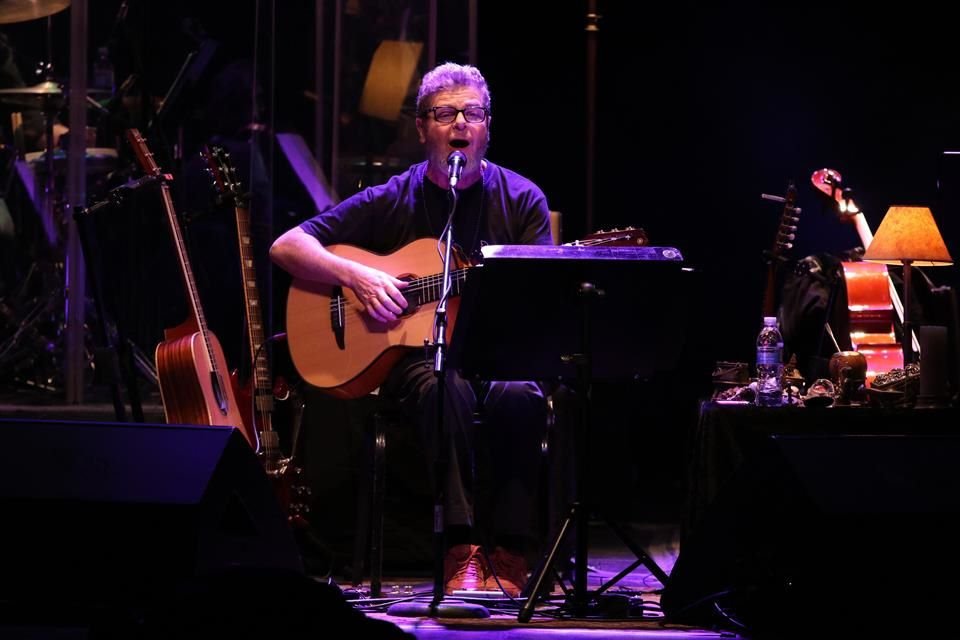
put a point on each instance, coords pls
(337, 316)
(218, 392)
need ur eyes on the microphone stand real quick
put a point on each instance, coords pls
(436, 607)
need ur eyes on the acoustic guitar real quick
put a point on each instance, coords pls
(336, 346)
(191, 367)
(872, 299)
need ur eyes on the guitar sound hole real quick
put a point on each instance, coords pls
(412, 304)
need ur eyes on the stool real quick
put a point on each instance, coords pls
(370, 491)
(368, 542)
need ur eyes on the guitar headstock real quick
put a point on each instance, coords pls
(787, 231)
(616, 237)
(224, 175)
(143, 153)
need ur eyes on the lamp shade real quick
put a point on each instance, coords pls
(909, 234)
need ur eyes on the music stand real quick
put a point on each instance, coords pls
(572, 313)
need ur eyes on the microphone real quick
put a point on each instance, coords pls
(456, 161)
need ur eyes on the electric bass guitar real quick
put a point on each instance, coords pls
(191, 367)
(257, 395)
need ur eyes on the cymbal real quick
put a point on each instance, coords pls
(35, 97)
(43, 89)
(23, 10)
(99, 160)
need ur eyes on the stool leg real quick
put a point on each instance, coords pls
(379, 487)
(365, 498)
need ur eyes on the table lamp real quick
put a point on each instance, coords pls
(908, 236)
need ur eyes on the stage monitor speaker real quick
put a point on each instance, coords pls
(115, 515)
(851, 531)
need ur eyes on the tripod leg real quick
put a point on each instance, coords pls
(537, 580)
(642, 556)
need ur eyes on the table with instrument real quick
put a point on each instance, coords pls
(728, 436)
(796, 508)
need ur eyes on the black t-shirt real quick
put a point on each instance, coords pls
(502, 208)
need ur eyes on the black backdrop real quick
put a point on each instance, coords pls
(700, 110)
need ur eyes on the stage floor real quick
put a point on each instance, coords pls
(631, 605)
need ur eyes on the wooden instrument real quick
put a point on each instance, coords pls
(191, 367)
(257, 395)
(872, 299)
(256, 406)
(616, 237)
(338, 347)
(782, 243)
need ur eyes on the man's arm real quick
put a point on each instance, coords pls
(304, 257)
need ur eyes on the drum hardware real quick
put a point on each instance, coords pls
(12, 11)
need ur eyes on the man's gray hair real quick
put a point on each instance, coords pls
(450, 75)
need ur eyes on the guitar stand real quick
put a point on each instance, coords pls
(117, 355)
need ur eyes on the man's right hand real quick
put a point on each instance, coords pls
(379, 292)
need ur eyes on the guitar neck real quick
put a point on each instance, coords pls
(150, 167)
(430, 288)
(782, 242)
(863, 229)
(259, 363)
(866, 237)
(189, 282)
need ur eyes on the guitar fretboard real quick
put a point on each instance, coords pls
(419, 291)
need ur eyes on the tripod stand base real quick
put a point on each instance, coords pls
(442, 609)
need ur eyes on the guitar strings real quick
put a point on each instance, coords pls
(425, 283)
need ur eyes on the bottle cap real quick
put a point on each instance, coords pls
(769, 321)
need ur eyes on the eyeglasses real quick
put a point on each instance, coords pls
(446, 115)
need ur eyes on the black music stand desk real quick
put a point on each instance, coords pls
(572, 313)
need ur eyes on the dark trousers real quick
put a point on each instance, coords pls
(494, 465)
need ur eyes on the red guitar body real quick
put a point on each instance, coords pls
(187, 385)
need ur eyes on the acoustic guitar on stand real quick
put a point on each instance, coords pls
(872, 299)
(258, 394)
(191, 367)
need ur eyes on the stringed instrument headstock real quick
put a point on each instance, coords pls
(830, 183)
(223, 173)
(616, 237)
(782, 243)
(789, 220)
(144, 156)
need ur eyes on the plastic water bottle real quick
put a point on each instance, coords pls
(769, 365)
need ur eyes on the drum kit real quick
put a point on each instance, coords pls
(31, 313)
